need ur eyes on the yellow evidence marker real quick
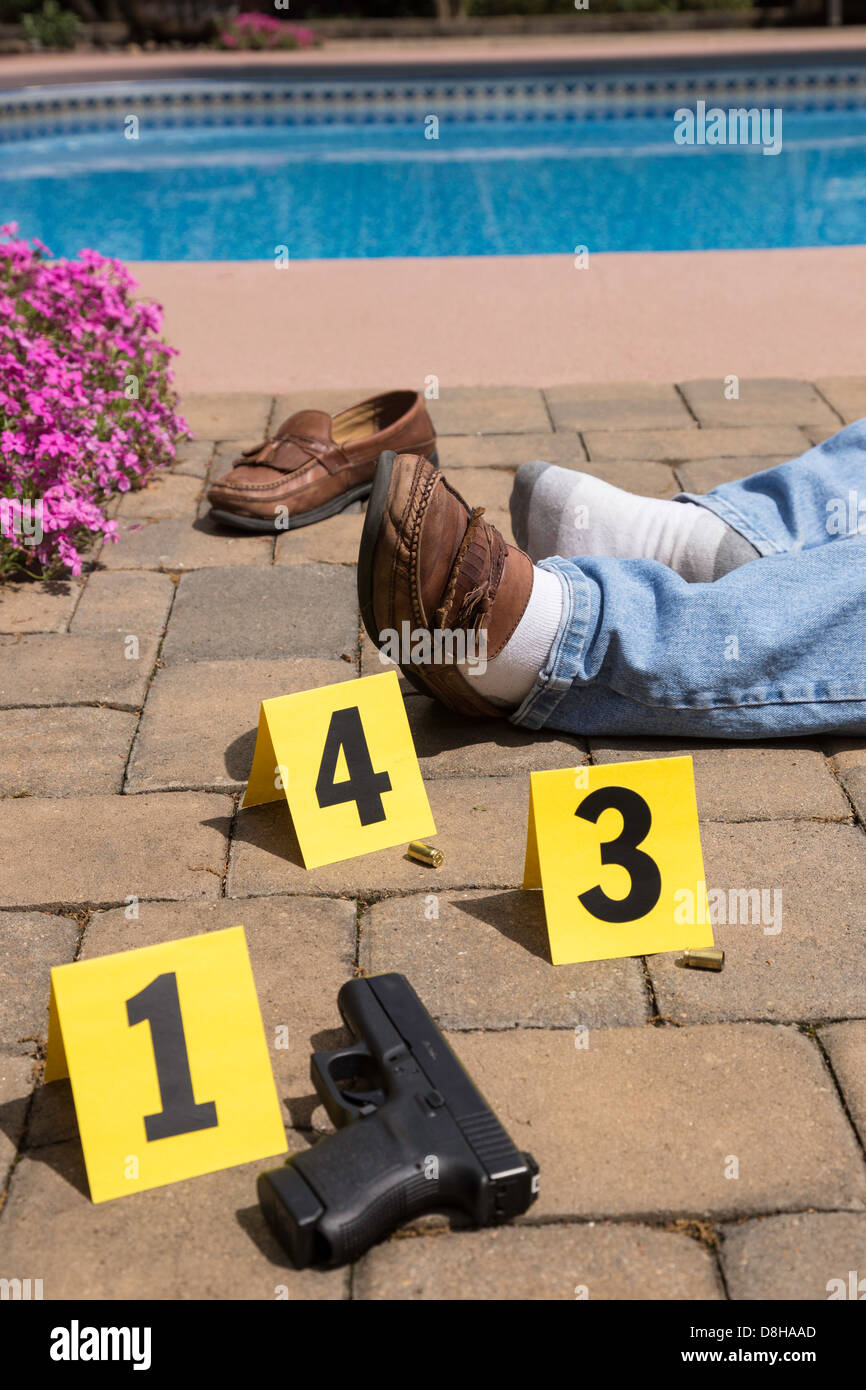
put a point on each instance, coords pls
(344, 759)
(165, 1050)
(614, 849)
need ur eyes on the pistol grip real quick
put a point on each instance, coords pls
(330, 1203)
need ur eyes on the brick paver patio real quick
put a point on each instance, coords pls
(122, 776)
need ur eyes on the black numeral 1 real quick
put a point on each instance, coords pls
(159, 1005)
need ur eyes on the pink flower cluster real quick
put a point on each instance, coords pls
(264, 31)
(86, 403)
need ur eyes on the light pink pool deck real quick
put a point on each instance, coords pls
(500, 320)
(514, 320)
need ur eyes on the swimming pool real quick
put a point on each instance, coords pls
(525, 163)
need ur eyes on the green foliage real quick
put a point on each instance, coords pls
(52, 27)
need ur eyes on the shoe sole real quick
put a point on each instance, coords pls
(372, 522)
(269, 526)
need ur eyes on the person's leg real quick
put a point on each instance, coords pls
(813, 499)
(818, 497)
(560, 511)
(607, 646)
(769, 650)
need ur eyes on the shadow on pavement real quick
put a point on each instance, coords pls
(517, 914)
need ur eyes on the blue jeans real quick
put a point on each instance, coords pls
(776, 647)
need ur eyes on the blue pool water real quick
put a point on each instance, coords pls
(542, 173)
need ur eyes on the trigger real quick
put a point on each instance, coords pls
(344, 1104)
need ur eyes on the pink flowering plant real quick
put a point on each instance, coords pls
(87, 407)
(250, 30)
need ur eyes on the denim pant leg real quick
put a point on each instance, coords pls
(776, 647)
(816, 498)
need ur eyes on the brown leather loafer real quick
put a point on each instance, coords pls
(437, 584)
(317, 464)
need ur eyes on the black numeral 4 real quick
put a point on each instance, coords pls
(364, 786)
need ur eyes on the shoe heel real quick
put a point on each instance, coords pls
(372, 521)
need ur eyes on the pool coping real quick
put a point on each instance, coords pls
(377, 57)
(520, 320)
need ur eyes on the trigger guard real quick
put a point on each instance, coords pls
(327, 1068)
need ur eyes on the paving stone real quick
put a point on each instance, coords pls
(300, 610)
(815, 966)
(685, 446)
(61, 669)
(124, 601)
(761, 401)
(816, 434)
(193, 457)
(451, 746)
(745, 781)
(794, 1257)
(63, 752)
(481, 825)
(854, 782)
(488, 488)
(509, 450)
(102, 848)
(166, 496)
(52, 1118)
(846, 394)
(204, 1238)
(183, 545)
(645, 1120)
(550, 1263)
(649, 479)
(335, 541)
(199, 725)
(30, 944)
(846, 753)
(489, 410)
(631, 405)
(228, 414)
(846, 1047)
(37, 607)
(17, 1076)
(710, 473)
(484, 962)
(373, 664)
(301, 949)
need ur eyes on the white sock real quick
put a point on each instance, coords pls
(560, 511)
(509, 677)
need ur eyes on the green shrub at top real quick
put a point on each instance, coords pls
(52, 27)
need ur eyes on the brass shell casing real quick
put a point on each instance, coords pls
(709, 959)
(423, 853)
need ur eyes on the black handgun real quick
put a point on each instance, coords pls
(414, 1135)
